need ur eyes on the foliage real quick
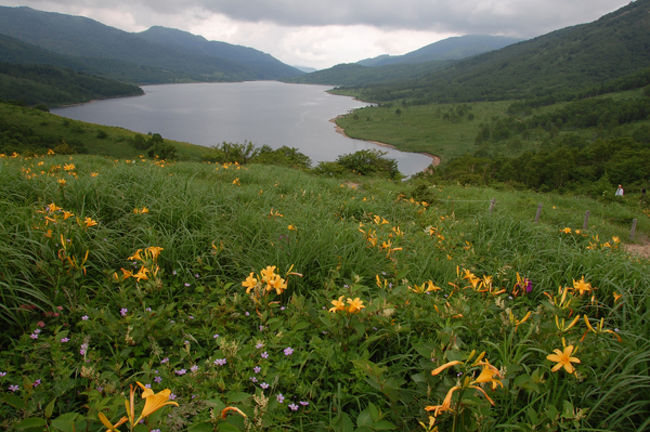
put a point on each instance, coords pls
(309, 304)
(52, 86)
(362, 162)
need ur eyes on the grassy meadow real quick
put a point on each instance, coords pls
(447, 130)
(450, 130)
(264, 298)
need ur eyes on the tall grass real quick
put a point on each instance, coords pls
(369, 370)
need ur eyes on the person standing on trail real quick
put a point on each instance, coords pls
(619, 191)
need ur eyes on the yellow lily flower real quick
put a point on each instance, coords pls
(355, 305)
(136, 256)
(339, 305)
(581, 286)
(250, 282)
(89, 222)
(109, 426)
(141, 274)
(563, 359)
(153, 401)
(487, 376)
(224, 412)
(439, 369)
(154, 251)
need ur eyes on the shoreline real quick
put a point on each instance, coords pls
(435, 160)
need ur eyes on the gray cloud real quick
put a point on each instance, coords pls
(322, 33)
(523, 18)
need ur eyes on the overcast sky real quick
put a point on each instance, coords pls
(322, 33)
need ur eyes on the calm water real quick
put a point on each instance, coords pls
(263, 112)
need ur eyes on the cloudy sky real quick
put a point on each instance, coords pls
(322, 33)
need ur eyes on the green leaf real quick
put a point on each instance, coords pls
(364, 419)
(235, 396)
(227, 427)
(14, 401)
(49, 409)
(201, 427)
(35, 423)
(343, 423)
(65, 422)
(384, 425)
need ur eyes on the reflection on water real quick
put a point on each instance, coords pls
(262, 112)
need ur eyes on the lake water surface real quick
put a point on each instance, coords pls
(262, 112)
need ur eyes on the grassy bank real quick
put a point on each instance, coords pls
(503, 128)
(117, 271)
(32, 129)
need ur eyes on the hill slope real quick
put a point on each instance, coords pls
(185, 56)
(453, 48)
(50, 85)
(569, 59)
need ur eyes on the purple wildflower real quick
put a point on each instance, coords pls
(293, 407)
(194, 368)
(215, 336)
(265, 355)
(279, 398)
(124, 311)
(253, 379)
(257, 369)
(65, 340)
(157, 380)
(220, 362)
(36, 383)
(84, 318)
(3, 374)
(34, 335)
(187, 284)
(13, 388)
(264, 386)
(527, 285)
(288, 351)
(172, 396)
(303, 403)
(180, 372)
(165, 360)
(259, 345)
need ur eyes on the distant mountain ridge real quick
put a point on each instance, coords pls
(453, 48)
(386, 68)
(155, 55)
(567, 60)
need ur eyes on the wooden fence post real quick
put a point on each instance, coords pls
(539, 212)
(633, 230)
(586, 223)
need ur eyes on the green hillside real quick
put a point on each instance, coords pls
(50, 86)
(565, 60)
(28, 131)
(453, 48)
(160, 51)
(354, 74)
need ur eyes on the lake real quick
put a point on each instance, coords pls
(262, 112)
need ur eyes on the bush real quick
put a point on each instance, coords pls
(369, 162)
(285, 156)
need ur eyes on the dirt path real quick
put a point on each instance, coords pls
(435, 160)
(642, 250)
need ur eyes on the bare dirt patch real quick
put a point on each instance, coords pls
(642, 250)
